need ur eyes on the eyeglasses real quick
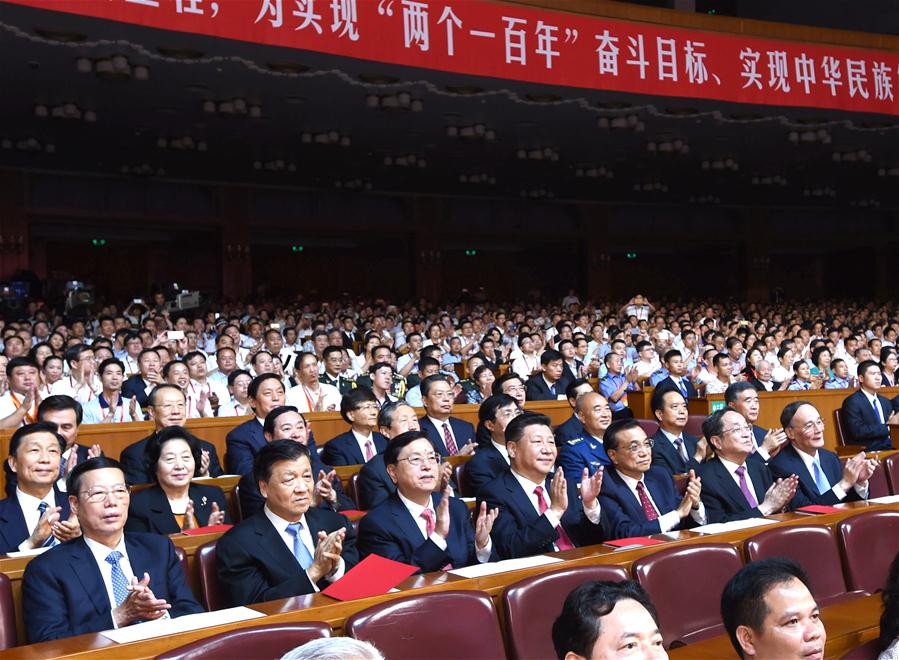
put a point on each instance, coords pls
(808, 427)
(368, 406)
(637, 447)
(96, 496)
(169, 407)
(417, 460)
(742, 428)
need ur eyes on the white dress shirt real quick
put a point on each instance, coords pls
(669, 520)
(871, 402)
(808, 459)
(362, 440)
(300, 396)
(305, 535)
(29, 505)
(415, 510)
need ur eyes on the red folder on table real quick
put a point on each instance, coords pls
(211, 529)
(633, 540)
(819, 508)
(373, 576)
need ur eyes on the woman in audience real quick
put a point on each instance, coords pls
(821, 358)
(889, 620)
(51, 371)
(888, 366)
(175, 503)
(57, 343)
(483, 378)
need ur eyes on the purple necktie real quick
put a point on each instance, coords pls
(744, 486)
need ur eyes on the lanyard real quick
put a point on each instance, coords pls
(29, 417)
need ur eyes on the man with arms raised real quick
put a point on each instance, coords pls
(310, 395)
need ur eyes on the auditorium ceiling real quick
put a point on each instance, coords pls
(113, 100)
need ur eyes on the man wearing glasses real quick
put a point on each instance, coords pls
(640, 498)
(104, 579)
(822, 480)
(417, 526)
(736, 483)
(362, 442)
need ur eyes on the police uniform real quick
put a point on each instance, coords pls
(578, 453)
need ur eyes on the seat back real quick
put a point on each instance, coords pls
(352, 489)
(8, 635)
(270, 641)
(838, 426)
(532, 604)
(465, 488)
(685, 584)
(694, 425)
(813, 546)
(236, 511)
(891, 467)
(211, 592)
(182, 559)
(878, 484)
(869, 542)
(649, 426)
(445, 624)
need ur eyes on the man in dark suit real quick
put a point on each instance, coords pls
(290, 548)
(37, 513)
(91, 583)
(548, 385)
(541, 513)
(587, 451)
(572, 427)
(264, 393)
(449, 435)
(150, 375)
(744, 398)
(167, 407)
(639, 498)
(491, 458)
(417, 526)
(673, 449)
(736, 486)
(677, 375)
(362, 442)
(285, 423)
(822, 480)
(868, 416)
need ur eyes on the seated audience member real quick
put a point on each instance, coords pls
(673, 448)
(359, 445)
(762, 379)
(889, 619)
(491, 458)
(783, 372)
(889, 364)
(238, 402)
(484, 379)
(840, 380)
(736, 484)
(333, 374)
(36, 514)
(572, 427)
(427, 366)
(149, 376)
(417, 526)
(381, 378)
(109, 405)
(511, 384)
(541, 513)
(724, 370)
(638, 498)
(527, 363)
(107, 578)
(290, 548)
(677, 375)
(225, 362)
(216, 392)
(310, 394)
(586, 450)
(167, 407)
(803, 378)
(822, 480)
(80, 382)
(334, 648)
(617, 383)
(264, 393)
(176, 373)
(449, 435)
(18, 405)
(175, 503)
(549, 384)
(50, 372)
(744, 398)
(601, 620)
(867, 416)
(769, 612)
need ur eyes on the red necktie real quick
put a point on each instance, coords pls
(648, 509)
(563, 542)
(430, 526)
(369, 450)
(451, 448)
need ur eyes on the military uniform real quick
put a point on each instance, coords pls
(398, 389)
(342, 383)
(582, 452)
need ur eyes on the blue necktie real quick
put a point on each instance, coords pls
(50, 542)
(820, 478)
(552, 390)
(683, 388)
(877, 411)
(300, 551)
(119, 582)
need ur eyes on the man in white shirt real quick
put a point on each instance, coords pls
(80, 383)
(309, 394)
(18, 405)
(216, 393)
(133, 347)
(238, 403)
(723, 367)
(109, 405)
(225, 363)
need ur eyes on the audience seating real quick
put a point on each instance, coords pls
(694, 425)
(236, 511)
(891, 467)
(8, 635)
(444, 624)
(649, 426)
(685, 585)
(878, 486)
(842, 448)
(352, 490)
(870, 542)
(532, 604)
(182, 559)
(270, 641)
(867, 651)
(815, 548)
(211, 593)
(462, 482)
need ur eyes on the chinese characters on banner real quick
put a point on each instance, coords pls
(485, 38)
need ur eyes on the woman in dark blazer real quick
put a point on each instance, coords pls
(173, 456)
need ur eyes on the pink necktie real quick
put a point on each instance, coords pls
(563, 542)
(430, 526)
(648, 509)
(451, 448)
(369, 450)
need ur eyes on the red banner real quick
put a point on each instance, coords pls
(539, 46)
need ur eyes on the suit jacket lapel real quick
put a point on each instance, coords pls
(521, 499)
(405, 521)
(273, 545)
(434, 434)
(729, 487)
(354, 448)
(12, 523)
(84, 567)
(797, 467)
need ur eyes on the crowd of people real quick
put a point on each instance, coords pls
(539, 488)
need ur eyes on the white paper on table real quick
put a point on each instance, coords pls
(887, 499)
(34, 552)
(489, 568)
(468, 499)
(733, 525)
(162, 627)
(221, 476)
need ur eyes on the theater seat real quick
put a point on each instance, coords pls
(270, 641)
(891, 467)
(878, 485)
(843, 449)
(236, 511)
(649, 426)
(445, 624)
(694, 425)
(815, 548)
(465, 489)
(352, 489)
(182, 559)
(869, 542)
(685, 584)
(532, 604)
(8, 635)
(212, 595)
(867, 651)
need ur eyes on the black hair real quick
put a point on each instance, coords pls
(151, 399)
(733, 391)
(505, 378)
(59, 402)
(108, 362)
(789, 412)
(714, 423)
(657, 402)
(353, 399)
(385, 416)
(238, 372)
(16, 362)
(256, 383)
(550, 355)
(167, 369)
(395, 445)
(610, 437)
(862, 368)
(268, 426)
(571, 388)
(490, 405)
(73, 352)
(29, 429)
(73, 482)
(153, 448)
(427, 362)
(256, 356)
(516, 427)
(275, 452)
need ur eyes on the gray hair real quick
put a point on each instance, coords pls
(334, 648)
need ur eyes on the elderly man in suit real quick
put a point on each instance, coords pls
(106, 578)
(289, 548)
(673, 448)
(868, 416)
(744, 398)
(449, 435)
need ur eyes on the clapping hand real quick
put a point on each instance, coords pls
(484, 525)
